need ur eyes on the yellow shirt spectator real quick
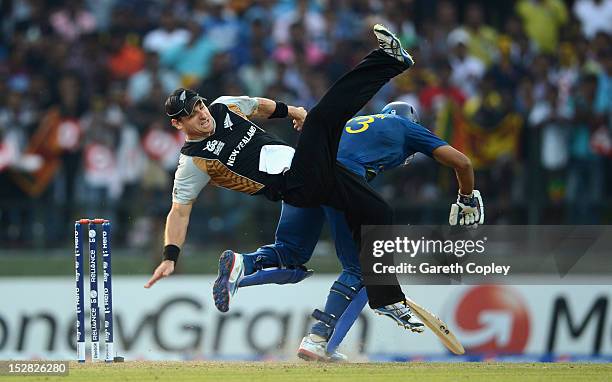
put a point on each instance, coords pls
(542, 20)
(483, 44)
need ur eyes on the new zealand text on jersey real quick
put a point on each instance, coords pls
(246, 139)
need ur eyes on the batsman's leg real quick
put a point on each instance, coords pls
(363, 206)
(349, 257)
(314, 346)
(348, 254)
(342, 307)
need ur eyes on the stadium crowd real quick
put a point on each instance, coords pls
(524, 88)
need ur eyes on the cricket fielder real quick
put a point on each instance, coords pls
(224, 148)
(370, 145)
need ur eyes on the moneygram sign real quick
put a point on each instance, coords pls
(498, 319)
(179, 320)
(492, 319)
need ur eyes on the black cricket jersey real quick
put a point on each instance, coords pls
(231, 156)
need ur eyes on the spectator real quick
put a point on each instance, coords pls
(506, 72)
(221, 25)
(16, 120)
(167, 36)
(314, 25)
(212, 87)
(585, 174)
(540, 71)
(542, 20)
(298, 45)
(515, 43)
(191, 60)
(467, 69)
(482, 40)
(594, 16)
(490, 104)
(441, 90)
(255, 34)
(260, 74)
(126, 58)
(73, 20)
(436, 32)
(141, 83)
(603, 100)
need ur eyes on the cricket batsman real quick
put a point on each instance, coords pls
(370, 145)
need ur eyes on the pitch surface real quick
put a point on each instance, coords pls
(311, 372)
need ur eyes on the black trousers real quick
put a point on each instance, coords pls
(315, 178)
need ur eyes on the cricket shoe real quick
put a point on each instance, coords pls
(402, 315)
(231, 271)
(391, 45)
(314, 348)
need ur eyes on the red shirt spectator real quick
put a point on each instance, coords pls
(125, 59)
(435, 94)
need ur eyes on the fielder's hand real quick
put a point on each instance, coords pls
(164, 269)
(299, 115)
(468, 211)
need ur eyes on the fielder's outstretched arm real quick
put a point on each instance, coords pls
(176, 224)
(451, 157)
(258, 107)
(267, 108)
(175, 232)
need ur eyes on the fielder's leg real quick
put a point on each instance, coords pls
(281, 263)
(296, 236)
(312, 169)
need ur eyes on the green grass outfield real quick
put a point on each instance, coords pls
(353, 372)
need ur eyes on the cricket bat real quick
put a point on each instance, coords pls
(439, 327)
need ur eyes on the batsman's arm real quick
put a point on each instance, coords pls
(451, 157)
(174, 237)
(469, 208)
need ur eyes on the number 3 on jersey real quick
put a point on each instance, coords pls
(363, 122)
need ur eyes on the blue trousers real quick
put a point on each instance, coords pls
(297, 234)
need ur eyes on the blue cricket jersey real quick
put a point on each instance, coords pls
(371, 144)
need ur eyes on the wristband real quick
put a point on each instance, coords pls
(281, 110)
(171, 252)
(468, 200)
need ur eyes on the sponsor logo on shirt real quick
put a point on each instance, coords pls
(214, 146)
(246, 139)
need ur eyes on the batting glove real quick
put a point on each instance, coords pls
(468, 211)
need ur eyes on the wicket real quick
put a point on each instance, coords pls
(93, 288)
